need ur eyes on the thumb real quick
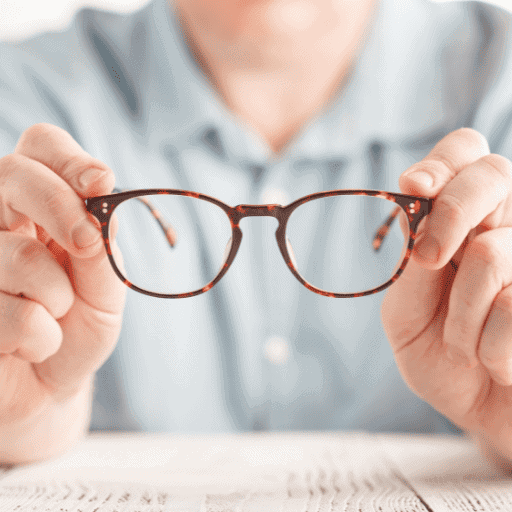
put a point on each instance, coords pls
(93, 278)
(92, 325)
(419, 295)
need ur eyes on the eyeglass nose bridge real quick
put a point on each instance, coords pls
(255, 210)
(279, 212)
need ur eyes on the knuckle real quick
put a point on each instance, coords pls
(53, 197)
(488, 249)
(8, 165)
(9, 161)
(27, 253)
(498, 363)
(487, 252)
(27, 313)
(9, 320)
(452, 208)
(500, 164)
(503, 302)
(474, 138)
(59, 206)
(34, 135)
(445, 165)
(492, 359)
(75, 165)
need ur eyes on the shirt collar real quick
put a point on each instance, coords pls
(378, 103)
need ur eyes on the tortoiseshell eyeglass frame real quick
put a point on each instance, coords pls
(415, 208)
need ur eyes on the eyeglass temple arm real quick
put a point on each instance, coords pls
(167, 228)
(384, 229)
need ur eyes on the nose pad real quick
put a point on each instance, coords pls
(402, 256)
(404, 224)
(291, 253)
(226, 253)
(114, 226)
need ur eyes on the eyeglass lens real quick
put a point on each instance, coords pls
(331, 241)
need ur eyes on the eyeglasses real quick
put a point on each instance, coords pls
(317, 234)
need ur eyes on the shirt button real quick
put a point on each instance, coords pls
(277, 350)
(274, 196)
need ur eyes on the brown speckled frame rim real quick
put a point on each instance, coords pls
(415, 207)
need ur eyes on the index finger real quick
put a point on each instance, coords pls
(477, 195)
(448, 157)
(445, 164)
(29, 190)
(56, 149)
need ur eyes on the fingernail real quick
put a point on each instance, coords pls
(456, 356)
(90, 176)
(427, 247)
(422, 178)
(85, 234)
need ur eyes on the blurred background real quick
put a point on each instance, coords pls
(22, 18)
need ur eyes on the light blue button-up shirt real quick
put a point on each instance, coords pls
(259, 350)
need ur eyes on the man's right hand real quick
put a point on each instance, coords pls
(61, 306)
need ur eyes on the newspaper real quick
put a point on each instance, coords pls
(259, 472)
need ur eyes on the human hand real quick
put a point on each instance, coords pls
(451, 330)
(61, 307)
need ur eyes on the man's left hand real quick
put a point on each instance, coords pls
(451, 330)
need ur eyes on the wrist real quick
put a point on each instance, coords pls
(56, 428)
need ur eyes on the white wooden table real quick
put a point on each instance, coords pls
(260, 472)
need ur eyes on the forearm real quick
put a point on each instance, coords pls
(56, 428)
